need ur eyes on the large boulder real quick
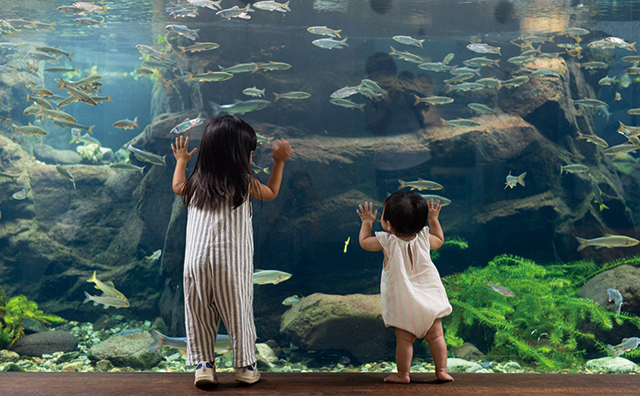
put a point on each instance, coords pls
(46, 342)
(127, 351)
(351, 323)
(52, 156)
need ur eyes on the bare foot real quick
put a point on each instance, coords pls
(443, 375)
(398, 378)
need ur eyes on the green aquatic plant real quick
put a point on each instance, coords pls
(541, 323)
(453, 242)
(14, 312)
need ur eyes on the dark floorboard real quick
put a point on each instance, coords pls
(159, 384)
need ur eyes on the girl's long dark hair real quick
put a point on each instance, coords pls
(223, 171)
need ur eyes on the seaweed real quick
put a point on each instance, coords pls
(16, 309)
(456, 242)
(541, 323)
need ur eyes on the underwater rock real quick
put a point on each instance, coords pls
(52, 156)
(455, 365)
(47, 342)
(127, 350)
(467, 351)
(610, 365)
(8, 356)
(103, 366)
(331, 322)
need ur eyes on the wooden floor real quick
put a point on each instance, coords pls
(316, 384)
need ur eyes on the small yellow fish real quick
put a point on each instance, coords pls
(346, 243)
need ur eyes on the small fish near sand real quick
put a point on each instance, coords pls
(263, 277)
(500, 289)
(616, 297)
(608, 241)
(512, 181)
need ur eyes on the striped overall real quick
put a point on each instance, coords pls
(218, 282)
(412, 293)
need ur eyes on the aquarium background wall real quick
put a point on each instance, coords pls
(544, 106)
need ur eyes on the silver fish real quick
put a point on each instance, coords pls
(107, 301)
(155, 256)
(20, 195)
(65, 172)
(408, 40)
(626, 345)
(484, 49)
(345, 92)
(500, 289)
(146, 156)
(574, 168)
(240, 107)
(608, 241)
(512, 181)
(616, 297)
(420, 184)
(124, 166)
(330, 43)
(222, 344)
(263, 277)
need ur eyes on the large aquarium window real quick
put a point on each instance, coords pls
(519, 117)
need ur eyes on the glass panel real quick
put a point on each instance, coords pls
(519, 117)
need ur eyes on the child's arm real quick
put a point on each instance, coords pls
(367, 241)
(282, 151)
(436, 235)
(182, 154)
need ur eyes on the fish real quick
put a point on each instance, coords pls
(101, 99)
(187, 124)
(124, 166)
(147, 156)
(500, 289)
(329, 43)
(20, 195)
(631, 59)
(90, 6)
(272, 6)
(597, 193)
(626, 345)
(345, 92)
(209, 76)
(5, 119)
(459, 123)
(271, 65)
(184, 31)
(481, 109)
(616, 297)
(544, 72)
(481, 62)
(239, 107)
(43, 57)
(460, 77)
(292, 95)
(29, 130)
(40, 102)
(443, 201)
(54, 51)
(89, 22)
(465, 87)
(590, 103)
(107, 288)
(620, 148)
(57, 69)
(199, 47)
(448, 58)
(635, 111)
(408, 40)
(575, 31)
(324, 31)
(71, 125)
(264, 139)
(632, 70)
(432, 100)
(408, 56)
(347, 103)
(598, 141)
(620, 43)
(515, 82)
(574, 168)
(81, 96)
(214, 5)
(222, 344)
(434, 66)
(593, 65)
(236, 12)
(608, 241)
(372, 86)
(41, 91)
(263, 277)
(600, 44)
(144, 71)
(607, 81)
(6, 176)
(255, 92)
(256, 169)
(512, 181)
(107, 301)
(489, 82)
(72, 10)
(33, 109)
(155, 256)
(126, 124)
(420, 184)
(291, 300)
(484, 49)
(145, 49)
(59, 115)
(617, 97)
(65, 172)
(346, 243)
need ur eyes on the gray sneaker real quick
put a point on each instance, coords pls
(205, 374)
(248, 374)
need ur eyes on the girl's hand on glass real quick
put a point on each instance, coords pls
(181, 149)
(366, 213)
(434, 210)
(282, 150)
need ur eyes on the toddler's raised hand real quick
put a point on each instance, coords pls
(434, 211)
(282, 150)
(366, 214)
(181, 149)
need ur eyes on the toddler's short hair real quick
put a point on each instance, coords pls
(406, 211)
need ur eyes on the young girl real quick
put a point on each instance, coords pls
(413, 297)
(218, 264)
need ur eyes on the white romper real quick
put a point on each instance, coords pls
(413, 295)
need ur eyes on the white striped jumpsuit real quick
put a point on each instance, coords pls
(218, 282)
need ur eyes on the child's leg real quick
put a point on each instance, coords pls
(404, 353)
(435, 338)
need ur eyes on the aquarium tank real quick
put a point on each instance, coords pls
(519, 116)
